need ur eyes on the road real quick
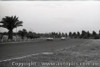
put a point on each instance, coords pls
(12, 50)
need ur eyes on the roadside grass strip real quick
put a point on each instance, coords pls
(82, 55)
(61, 58)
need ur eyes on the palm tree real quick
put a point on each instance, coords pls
(10, 23)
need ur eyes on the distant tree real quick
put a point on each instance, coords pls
(22, 33)
(53, 34)
(78, 34)
(88, 34)
(30, 35)
(59, 34)
(99, 32)
(63, 34)
(84, 34)
(74, 35)
(94, 33)
(10, 23)
(35, 35)
(66, 34)
(70, 34)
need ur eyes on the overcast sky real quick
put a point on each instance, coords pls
(53, 16)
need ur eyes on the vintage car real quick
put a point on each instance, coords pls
(49, 39)
(63, 38)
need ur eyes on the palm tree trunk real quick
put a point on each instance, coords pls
(10, 34)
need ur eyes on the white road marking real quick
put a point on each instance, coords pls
(46, 53)
(19, 57)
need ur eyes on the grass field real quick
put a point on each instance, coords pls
(70, 53)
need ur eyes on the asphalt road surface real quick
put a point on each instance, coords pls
(12, 50)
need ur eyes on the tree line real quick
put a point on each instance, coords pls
(83, 35)
(13, 22)
(79, 35)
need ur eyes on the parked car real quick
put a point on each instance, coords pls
(63, 38)
(49, 39)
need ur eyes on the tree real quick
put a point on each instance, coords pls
(59, 34)
(78, 34)
(63, 34)
(70, 34)
(66, 34)
(94, 33)
(10, 23)
(30, 35)
(83, 34)
(99, 33)
(74, 35)
(88, 34)
(22, 33)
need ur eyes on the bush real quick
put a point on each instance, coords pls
(96, 37)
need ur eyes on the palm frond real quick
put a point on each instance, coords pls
(11, 22)
(17, 24)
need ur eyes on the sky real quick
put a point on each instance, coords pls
(53, 16)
